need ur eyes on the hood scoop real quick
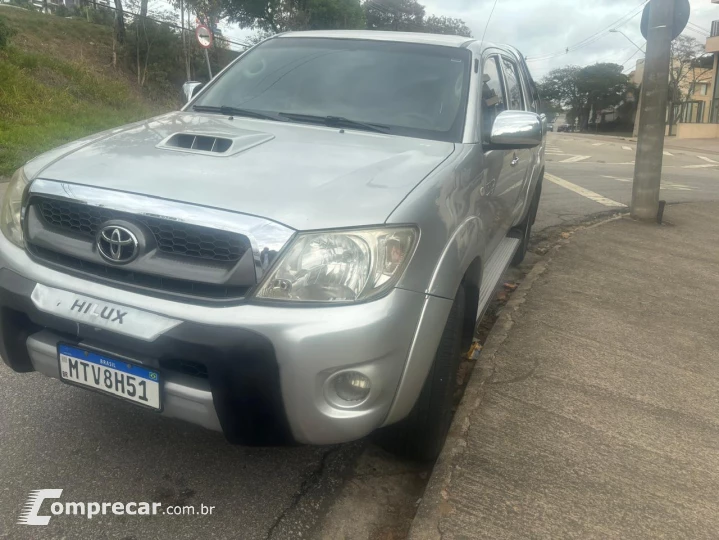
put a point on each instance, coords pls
(215, 144)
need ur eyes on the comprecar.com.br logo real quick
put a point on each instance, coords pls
(30, 514)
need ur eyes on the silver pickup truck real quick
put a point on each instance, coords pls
(298, 255)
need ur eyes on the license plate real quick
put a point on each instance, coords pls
(119, 378)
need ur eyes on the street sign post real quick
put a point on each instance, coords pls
(662, 26)
(682, 10)
(204, 38)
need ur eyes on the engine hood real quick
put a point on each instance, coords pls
(303, 176)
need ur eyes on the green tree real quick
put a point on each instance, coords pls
(604, 85)
(583, 90)
(6, 32)
(334, 14)
(562, 88)
(396, 15)
(275, 16)
(447, 25)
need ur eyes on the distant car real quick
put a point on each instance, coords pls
(565, 127)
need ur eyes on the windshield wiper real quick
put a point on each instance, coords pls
(336, 121)
(236, 111)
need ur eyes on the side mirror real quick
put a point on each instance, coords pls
(516, 129)
(189, 89)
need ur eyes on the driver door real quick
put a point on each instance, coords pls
(499, 172)
(521, 160)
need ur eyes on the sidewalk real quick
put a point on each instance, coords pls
(594, 411)
(690, 145)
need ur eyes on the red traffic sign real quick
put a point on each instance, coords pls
(204, 36)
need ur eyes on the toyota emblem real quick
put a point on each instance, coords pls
(117, 244)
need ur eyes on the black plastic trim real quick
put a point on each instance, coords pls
(241, 365)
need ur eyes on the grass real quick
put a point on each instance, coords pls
(52, 91)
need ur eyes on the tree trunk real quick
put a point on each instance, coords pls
(185, 56)
(137, 52)
(143, 8)
(119, 22)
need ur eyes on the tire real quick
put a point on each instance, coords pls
(421, 435)
(523, 231)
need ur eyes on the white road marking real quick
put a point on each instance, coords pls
(708, 166)
(598, 144)
(575, 159)
(708, 159)
(596, 197)
(667, 153)
(627, 148)
(675, 187)
(615, 178)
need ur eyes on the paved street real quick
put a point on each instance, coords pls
(598, 177)
(96, 449)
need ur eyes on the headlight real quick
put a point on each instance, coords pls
(11, 213)
(344, 266)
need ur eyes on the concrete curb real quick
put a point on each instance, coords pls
(427, 522)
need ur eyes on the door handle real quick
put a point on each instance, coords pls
(515, 161)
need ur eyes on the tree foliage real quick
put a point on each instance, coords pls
(282, 15)
(584, 90)
(396, 15)
(6, 32)
(273, 16)
(410, 16)
(447, 25)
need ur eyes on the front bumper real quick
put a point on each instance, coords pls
(266, 367)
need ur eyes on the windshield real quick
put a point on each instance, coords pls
(411, 89)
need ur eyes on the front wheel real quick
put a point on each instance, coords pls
(421, 435)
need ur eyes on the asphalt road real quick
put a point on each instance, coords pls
(96, 449)
(605, 167)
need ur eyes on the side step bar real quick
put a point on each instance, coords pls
(493, 271)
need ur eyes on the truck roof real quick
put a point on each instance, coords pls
(405, 37)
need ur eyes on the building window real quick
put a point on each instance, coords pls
(693, 112)
(700, 89)
(715, 112)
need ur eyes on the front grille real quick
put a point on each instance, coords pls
(138, 280)
(177, 238)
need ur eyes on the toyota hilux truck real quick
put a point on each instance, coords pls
(299, 255)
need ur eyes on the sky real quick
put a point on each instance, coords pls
(543, 29)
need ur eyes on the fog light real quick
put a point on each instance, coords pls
(352, 386)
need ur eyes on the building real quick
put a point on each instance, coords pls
(712, 46)
(698, 118)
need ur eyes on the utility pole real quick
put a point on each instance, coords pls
(652, 118)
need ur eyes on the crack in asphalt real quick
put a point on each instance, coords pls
(312, 480)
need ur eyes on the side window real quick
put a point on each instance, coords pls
(514, 86)
(492, 95)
